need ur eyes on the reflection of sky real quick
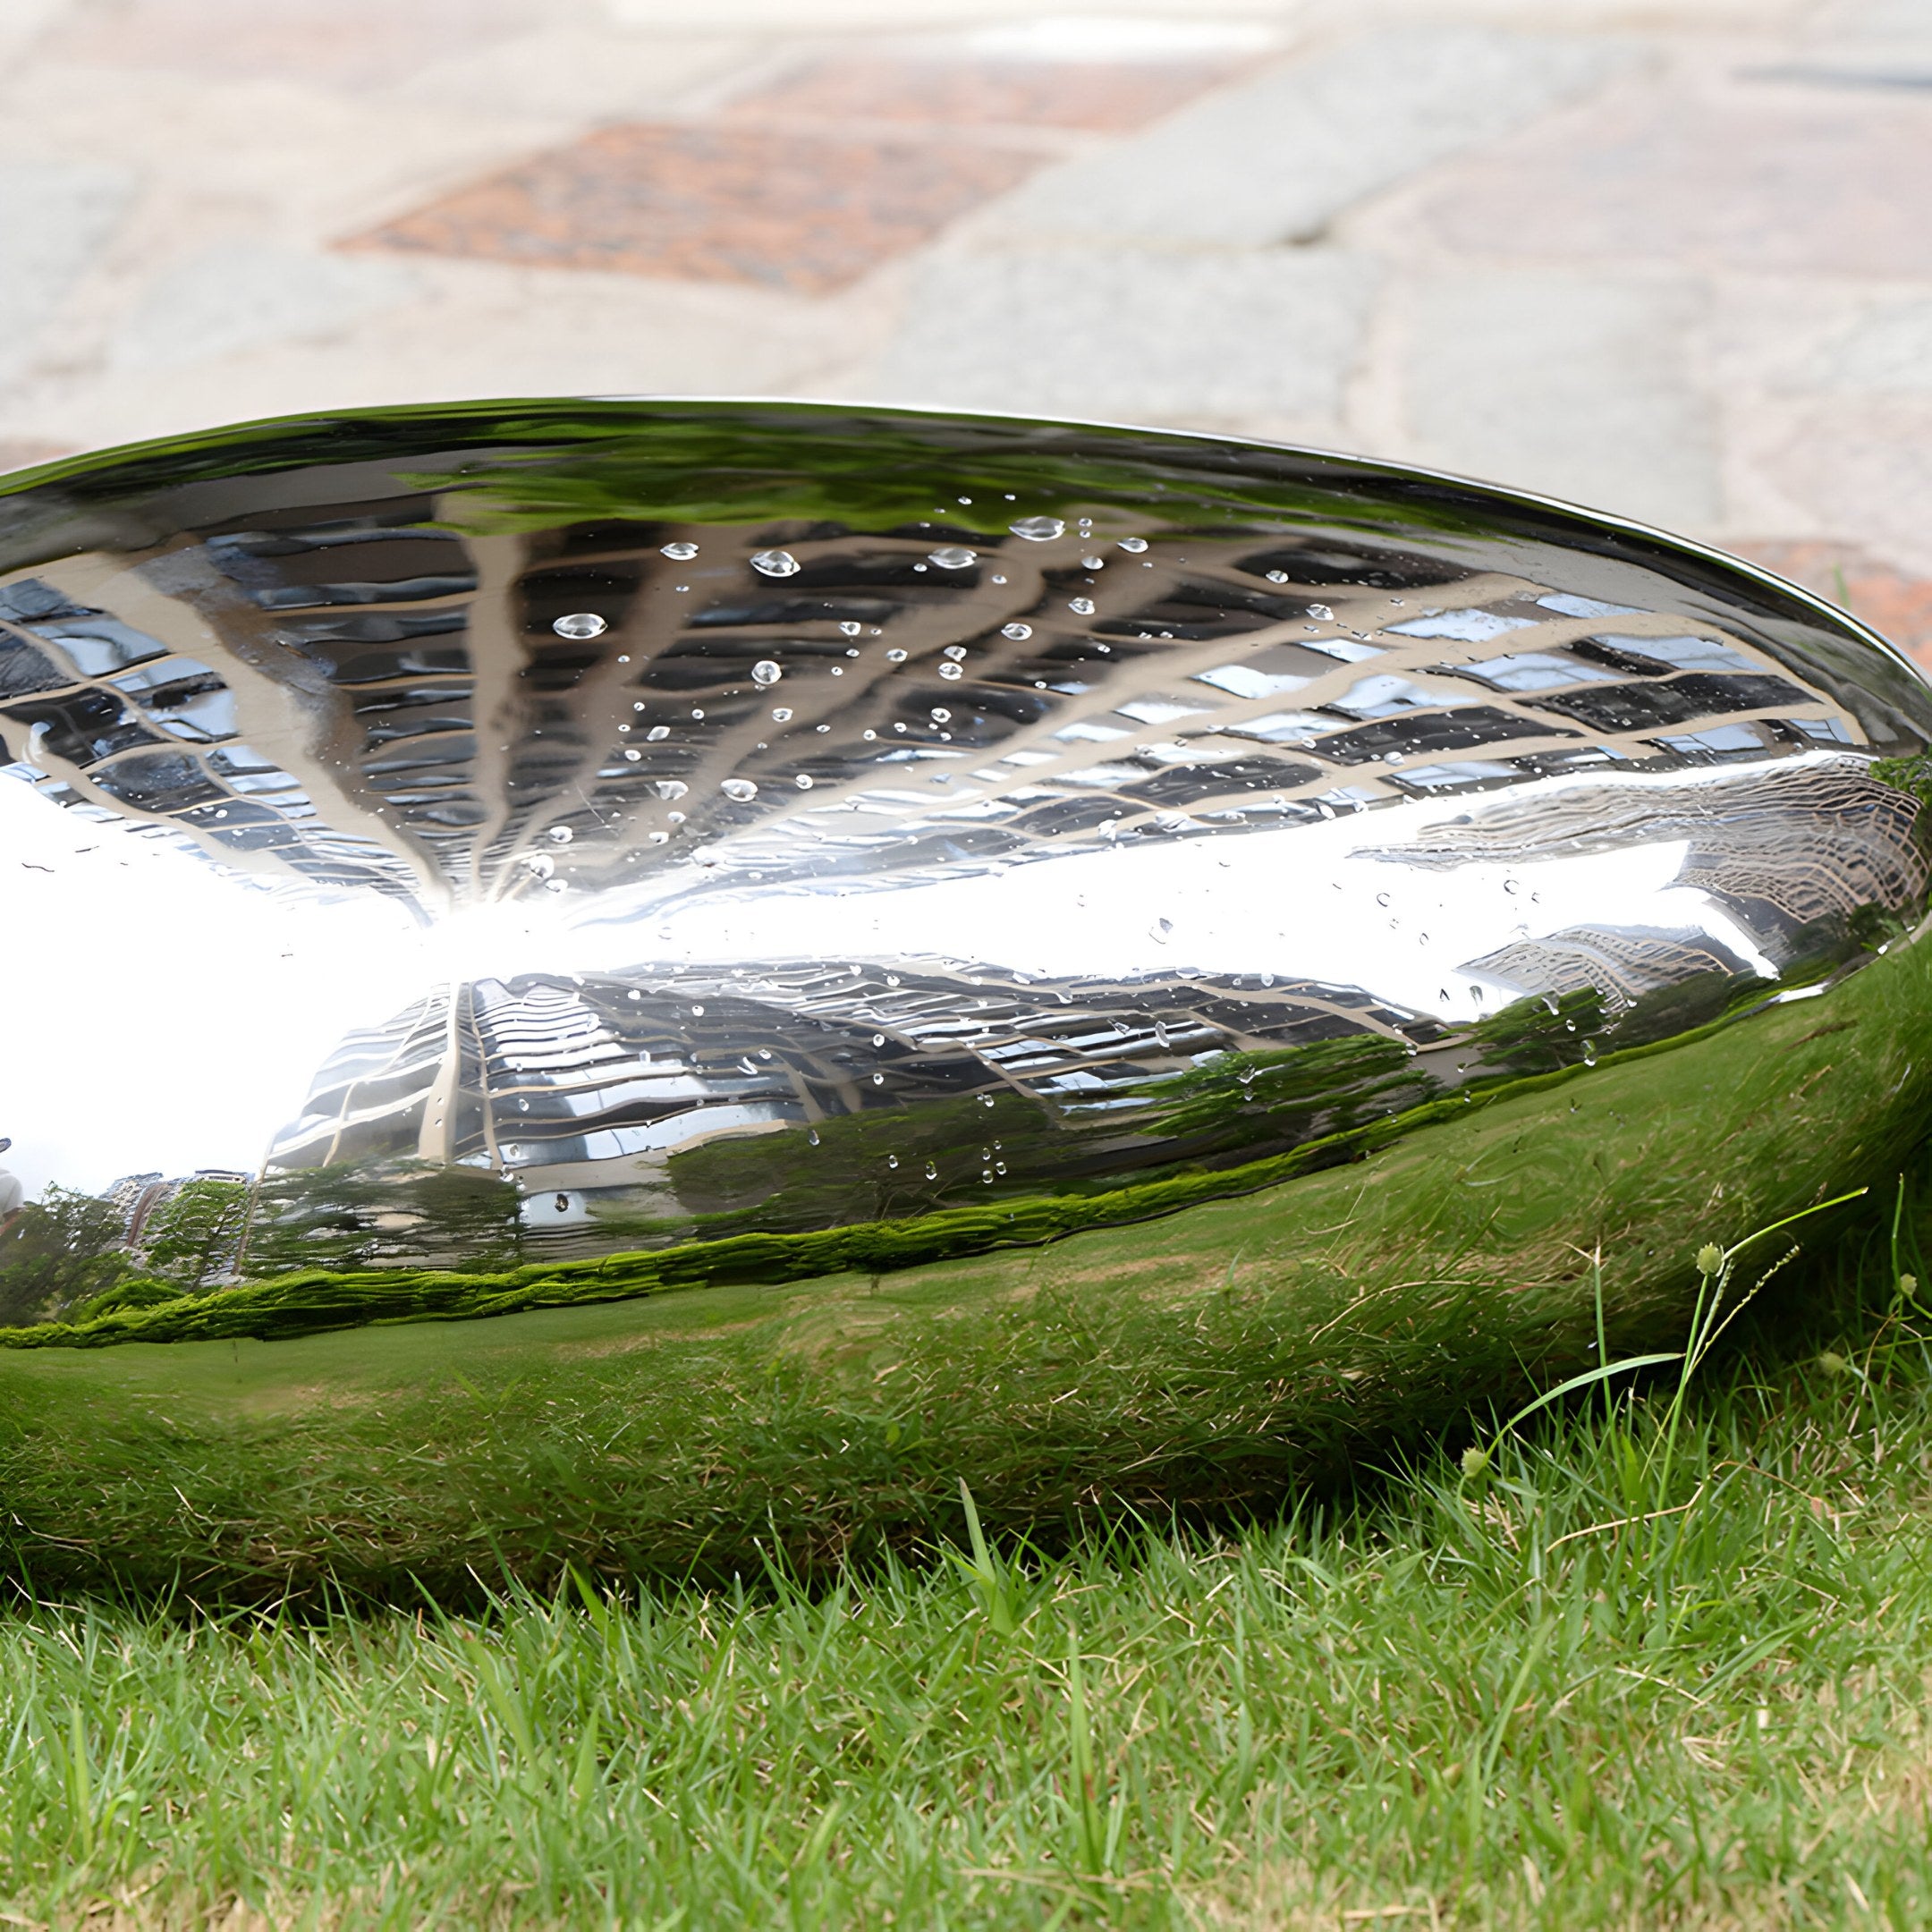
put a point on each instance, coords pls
(159, 1014)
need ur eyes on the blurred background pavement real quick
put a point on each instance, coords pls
(1671, 259)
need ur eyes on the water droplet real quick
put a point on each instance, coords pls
(803, 782)
(1381, 899)
(1082, 607)
(1160, 1031)
(950, 672)
(1135, 545)
(632, 755)
(896, 655)
(765, 672)
(675, 817)
(540, 863)
(941, 715)
(775, 564)
(952, 557)
(655, 838)
(657, 734)
(740, 789)
(583, 623)
(696, 712)
(670, 788)
(561, 835)
(698, 1010)
(891, 1160)
(849, 629)
(1277, 576)
(782, 714)
(986, 1099)
(879, 1079)
(813, 1137)
(680, 552)
(932, 1173)
(1018, 632)
(1038, 529)
(1093, 562)
(1158, 932)
(1321, 611)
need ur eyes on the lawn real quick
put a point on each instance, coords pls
(1637, 1662)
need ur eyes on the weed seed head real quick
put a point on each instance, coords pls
(1833, 1363)
(1475, 1463)
(1709, 1259)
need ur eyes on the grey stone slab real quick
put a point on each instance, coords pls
(1279, 157)
(1571, 384)
(244, 295)
(54, 219)
(1142, 334)
(1886, 352)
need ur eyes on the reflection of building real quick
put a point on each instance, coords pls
(369, 692)
(1781, 851)
(574, 1083)
(358, 695)
(1622, 964)
(143, 1199)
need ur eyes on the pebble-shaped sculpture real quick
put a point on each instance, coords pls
(617, 982)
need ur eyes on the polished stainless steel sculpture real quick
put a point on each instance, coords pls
(1111, 963)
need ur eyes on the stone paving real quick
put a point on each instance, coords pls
(1666, 257)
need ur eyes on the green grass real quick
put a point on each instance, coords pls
(1662, 1658)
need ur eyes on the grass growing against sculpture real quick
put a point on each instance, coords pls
(1657, 1657)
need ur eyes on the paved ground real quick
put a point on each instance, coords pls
(1666, 257)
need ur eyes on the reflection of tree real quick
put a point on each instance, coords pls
(879, 1164)
(889, 1165)
(1541, 1036)
(400, 1213)
(1290, 1095)
(64, 1249)
(192, 1238)
(754, 462)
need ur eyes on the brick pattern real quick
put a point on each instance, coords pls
(807, 212)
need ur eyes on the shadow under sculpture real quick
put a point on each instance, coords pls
(875, 948)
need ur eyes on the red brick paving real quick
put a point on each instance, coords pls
(1889, 600)
(1106, 97)
(802, 212)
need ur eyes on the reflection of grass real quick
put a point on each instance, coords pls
(1572, 1689)
(1208, 1358)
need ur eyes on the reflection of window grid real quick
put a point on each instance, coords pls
(1055, 741)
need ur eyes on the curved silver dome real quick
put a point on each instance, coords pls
(487, 857)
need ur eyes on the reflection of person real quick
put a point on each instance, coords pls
(11, 1194)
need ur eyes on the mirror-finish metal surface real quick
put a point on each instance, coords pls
(1028, 887)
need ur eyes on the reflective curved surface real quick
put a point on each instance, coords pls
(483, 858)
